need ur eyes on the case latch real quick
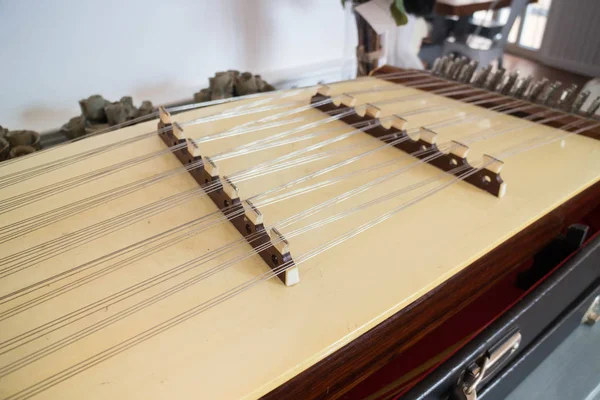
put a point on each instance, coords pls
(471, 378)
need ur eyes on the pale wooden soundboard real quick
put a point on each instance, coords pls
(249, 345)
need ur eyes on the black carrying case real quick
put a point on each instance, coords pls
(541, 320)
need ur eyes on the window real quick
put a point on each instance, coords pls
(527, 32)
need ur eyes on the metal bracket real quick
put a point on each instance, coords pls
(472, 377)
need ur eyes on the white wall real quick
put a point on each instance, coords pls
(55, 52)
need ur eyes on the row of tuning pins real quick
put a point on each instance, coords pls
(543, 91)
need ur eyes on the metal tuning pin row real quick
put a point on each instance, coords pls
(459, 69)
(543, 91)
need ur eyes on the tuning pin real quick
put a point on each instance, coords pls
(537, 88)
(502, 84)
(525, 86)
(579, 100)
(545, 96)
(516, 87)
(454, 68)
(460, 64)
(510, 82)
(450, 67)
(495, 79)
(498, 79)
(520, 87)
(435, 69)
(471, 71)
(447, 67)
(552, 95)
(462, 73)
(530, 89)
(442, 66)
(466, 72)
(444, 63)
(591, 111)
(481, 76)
(466, 67)
(566, 98)
(489, 79)
(556, 96)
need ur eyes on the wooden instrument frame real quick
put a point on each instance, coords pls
(317, 339)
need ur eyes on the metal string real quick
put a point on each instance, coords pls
(31, 196)
(145, 303)
(174, 109)
(28, 173)
(251, 108)
(424, 160)
(300, 259)
(329, 202)
(31, 256)
(203, 257)
(22, 227)
(65, 374)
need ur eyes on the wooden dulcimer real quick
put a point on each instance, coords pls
(282, 245)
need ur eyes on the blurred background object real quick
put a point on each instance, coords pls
(18, 143)
(232, 84)
(482, 41)
(56, 52)
(152, 52)
(389, 32)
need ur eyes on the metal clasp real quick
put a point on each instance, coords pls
(592, 315)
(477, 372)
(470, 389)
